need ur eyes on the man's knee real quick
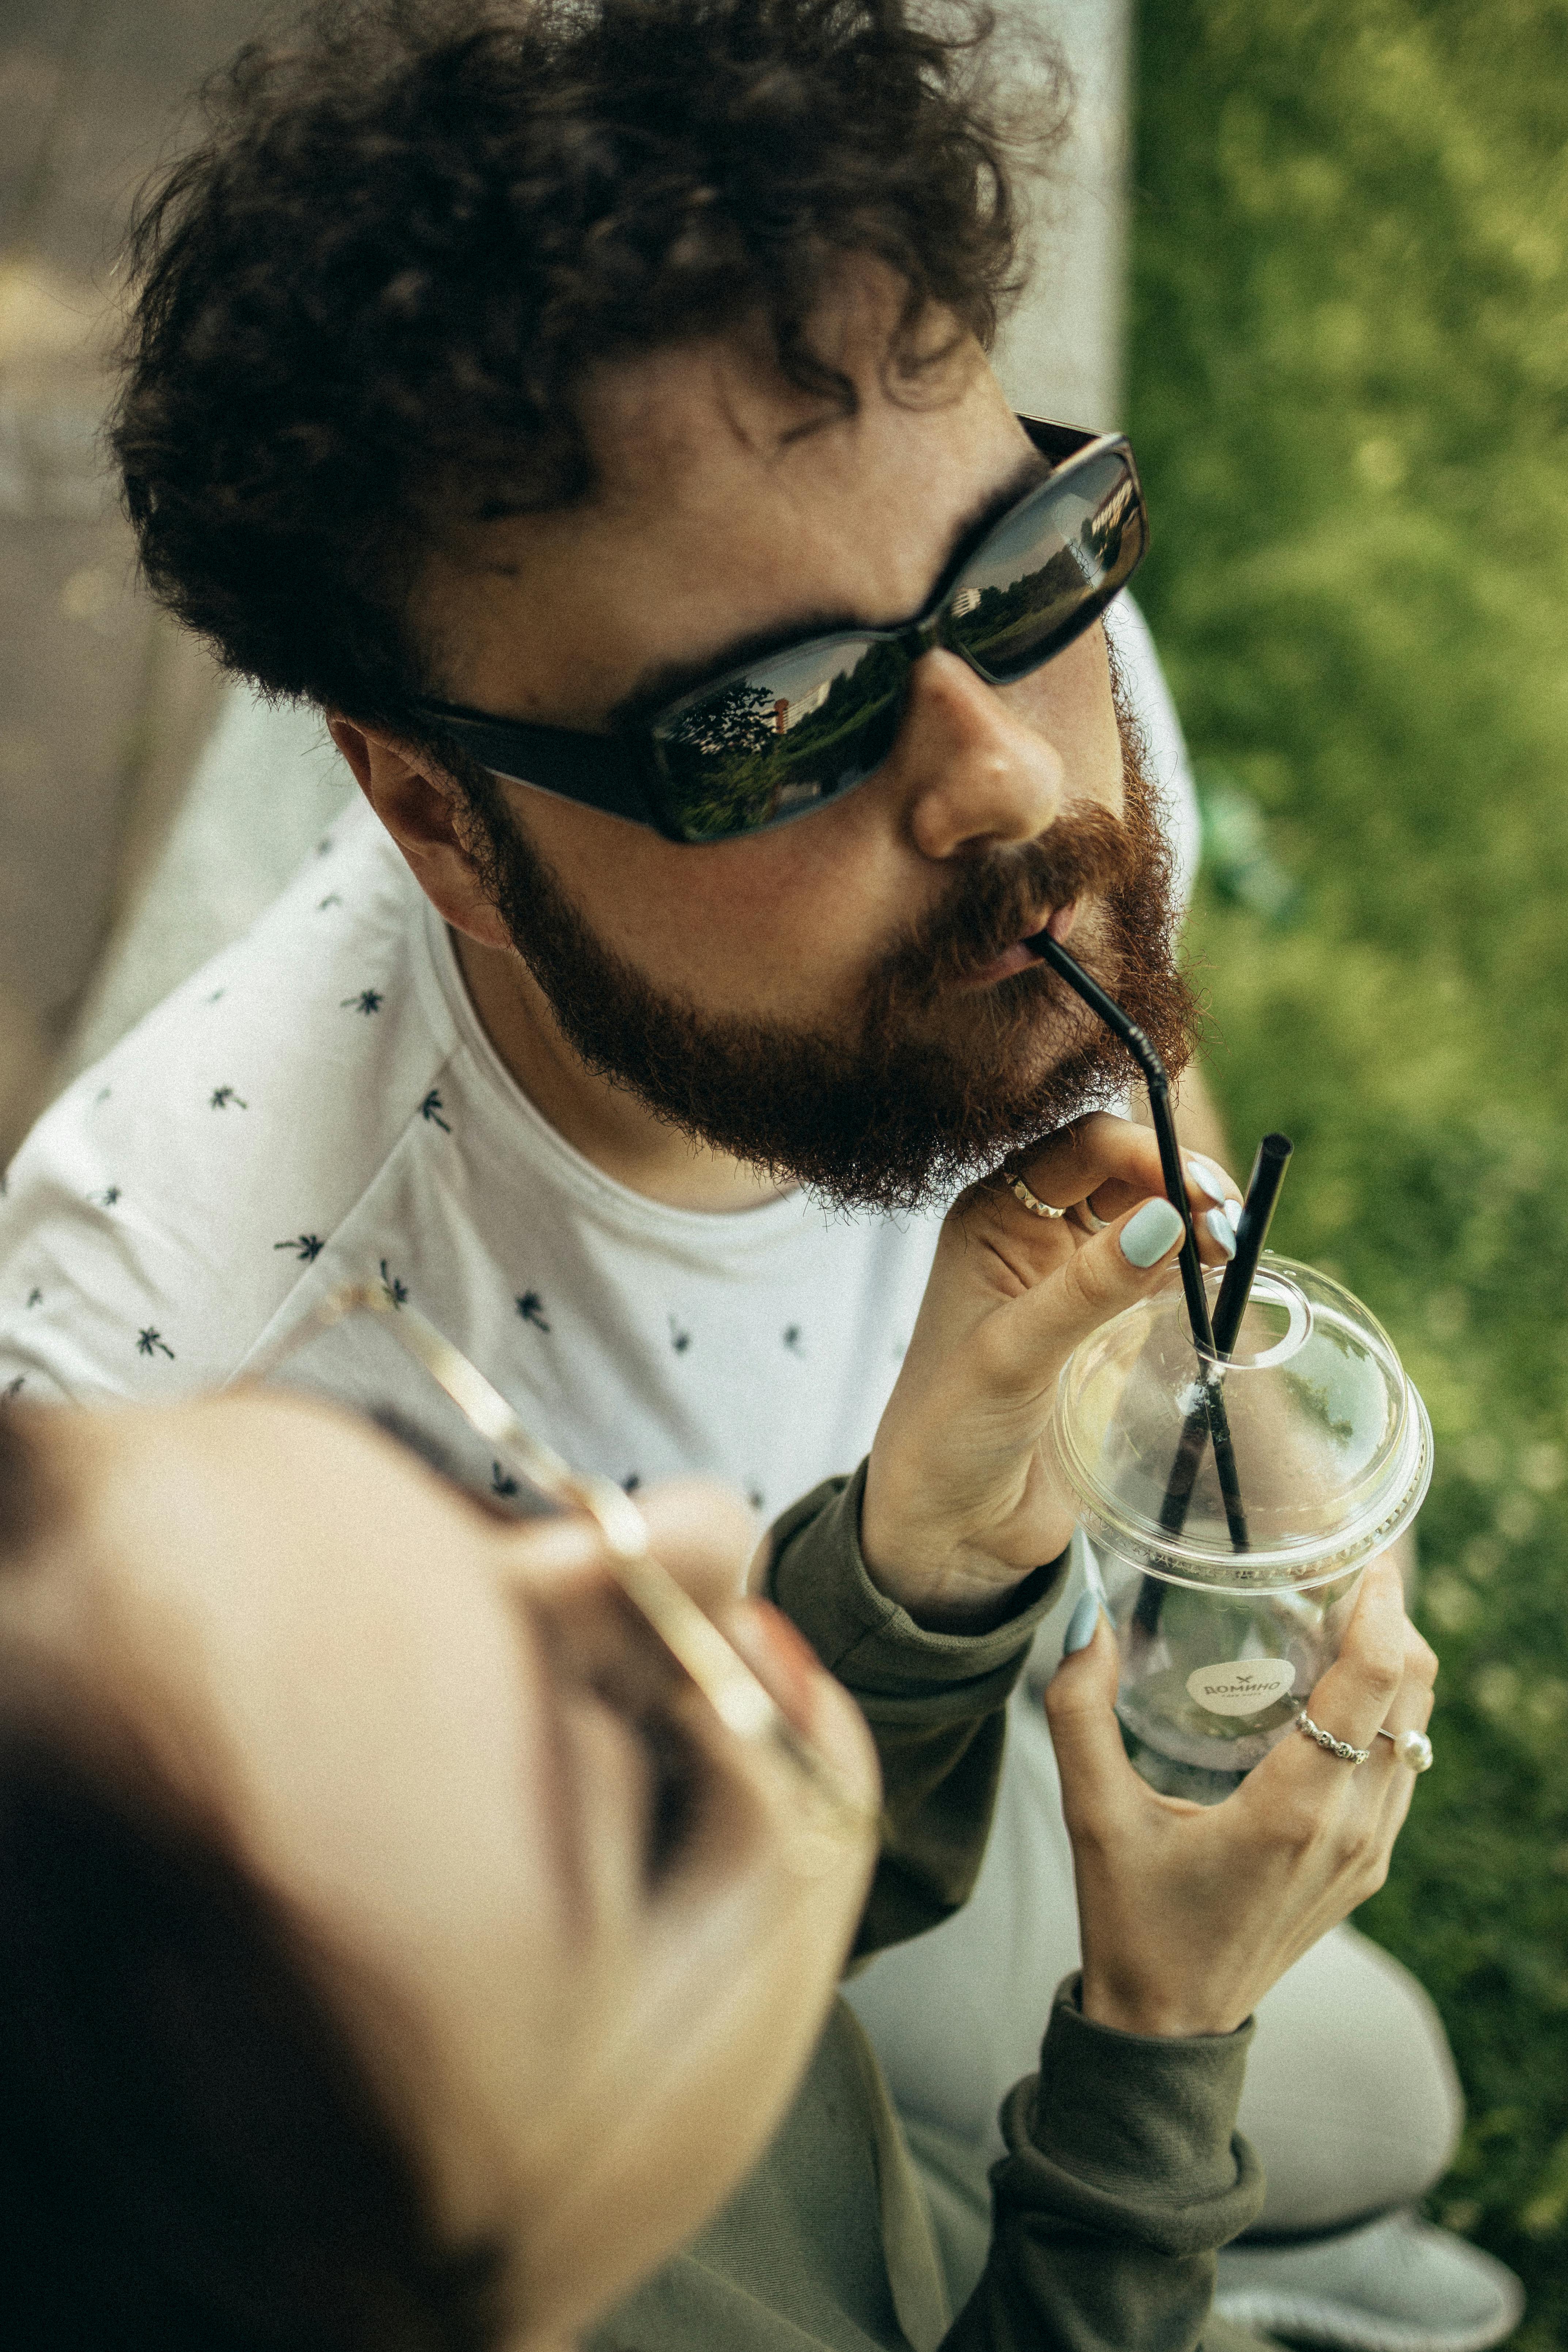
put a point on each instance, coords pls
(1351, 2098)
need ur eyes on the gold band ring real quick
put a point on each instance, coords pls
(1035, 1208)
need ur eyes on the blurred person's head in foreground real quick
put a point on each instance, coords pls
(534, 388)
(382, 1968)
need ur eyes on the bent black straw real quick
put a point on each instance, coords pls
(1124, 1026)
(1256, 1212)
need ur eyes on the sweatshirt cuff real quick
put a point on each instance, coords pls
(817, 1576)
(1137, 2132)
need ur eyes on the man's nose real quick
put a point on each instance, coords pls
(976, 774)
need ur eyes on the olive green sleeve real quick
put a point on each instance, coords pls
(1124, 2175)
(936, 1703)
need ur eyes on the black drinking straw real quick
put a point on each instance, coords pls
(1257, 1210)
(1256, 1213)
(1124, 1026)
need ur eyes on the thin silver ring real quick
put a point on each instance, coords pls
(1326, 1740)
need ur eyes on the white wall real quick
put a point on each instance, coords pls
(1060, 354)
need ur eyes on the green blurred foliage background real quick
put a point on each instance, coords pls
(1349, 395)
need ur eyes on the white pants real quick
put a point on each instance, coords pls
(1351, 2101)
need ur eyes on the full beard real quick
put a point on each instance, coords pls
(929, 1083)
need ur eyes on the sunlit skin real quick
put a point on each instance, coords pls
(358, 1678)
(729, 505)
(351, 1662)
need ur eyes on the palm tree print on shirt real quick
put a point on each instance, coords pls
(396, 1290)
(679, 1339)
(369, 1000)
(430, 1110)
(307, 1247)
(152, 1343)
(530, 1306)
(222, 1096)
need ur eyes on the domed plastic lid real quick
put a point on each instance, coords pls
(1331, 1444)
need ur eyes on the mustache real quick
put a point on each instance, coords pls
(999, 898)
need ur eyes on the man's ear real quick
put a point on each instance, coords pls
(429, 818)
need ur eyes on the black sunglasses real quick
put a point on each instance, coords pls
(790, 731)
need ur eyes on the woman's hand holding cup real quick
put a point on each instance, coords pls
(1190, 1913)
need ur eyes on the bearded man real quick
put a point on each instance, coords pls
(587, 410)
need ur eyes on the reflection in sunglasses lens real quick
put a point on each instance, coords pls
(785, 737)
(1064, 552)
(796, 730)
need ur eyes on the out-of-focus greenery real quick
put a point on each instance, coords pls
(1348, 397)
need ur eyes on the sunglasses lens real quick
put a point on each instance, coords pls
(781, 737)
(793, 730)
(1049, 569)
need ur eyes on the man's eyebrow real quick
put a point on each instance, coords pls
(668, 681)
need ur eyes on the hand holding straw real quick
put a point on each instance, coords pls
(1143, 1053)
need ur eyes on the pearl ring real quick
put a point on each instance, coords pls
(1412, 1748)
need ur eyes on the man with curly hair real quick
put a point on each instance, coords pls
(586, 408)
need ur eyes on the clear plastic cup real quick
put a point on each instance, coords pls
(1220, 1646)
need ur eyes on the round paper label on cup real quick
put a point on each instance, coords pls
(1241, 1685)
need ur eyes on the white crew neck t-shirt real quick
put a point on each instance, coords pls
(320, 1104)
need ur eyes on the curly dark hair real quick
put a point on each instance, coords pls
(366, 300)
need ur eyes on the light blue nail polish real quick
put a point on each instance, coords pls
(1220, 1233)
(1080, 1625)
(1207, 1177)
(1146, 1237)
(1233, 1211)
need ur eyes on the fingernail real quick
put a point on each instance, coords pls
(1233, 1211)
(1146, 1237)
(1220, 1233)
(1080, 1625)
(1208, 1178)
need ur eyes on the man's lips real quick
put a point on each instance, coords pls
(1058, 923)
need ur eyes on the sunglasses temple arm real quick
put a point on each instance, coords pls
(732, 1688)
